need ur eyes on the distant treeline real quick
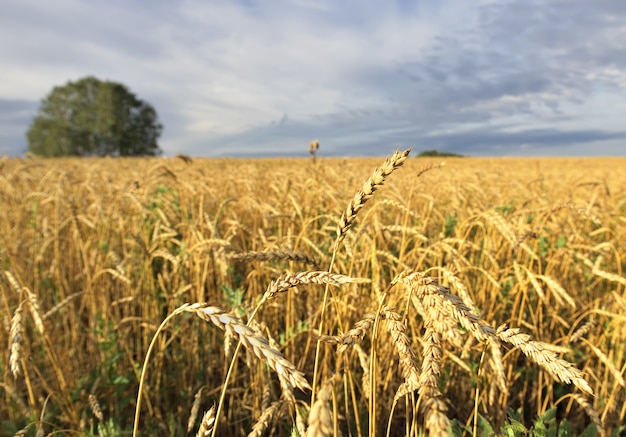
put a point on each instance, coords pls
(436, 153)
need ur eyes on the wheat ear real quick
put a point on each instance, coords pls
(452, 306)
(432, 402)
(95, 407)
(16, 341)
(290, 280)
(275, 255)
(583, 330)
(52, 311)
(408, 358)
(321, 417)
(253, 341)
(353, 336)
(538, 352)
(266, 417)
(376, 180)
(195, 409)
(208, 422)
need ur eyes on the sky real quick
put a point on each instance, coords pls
(264, 78)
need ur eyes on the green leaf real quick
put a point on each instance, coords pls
(484, 427)
(121, 380)
(549, 415)
(234, 298)
(450, 224)
(565, 429)
(514, 428)
(590, 431)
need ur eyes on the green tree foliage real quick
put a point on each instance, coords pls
(94, 118)
(436, 153)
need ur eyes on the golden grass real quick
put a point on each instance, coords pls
(455, 292)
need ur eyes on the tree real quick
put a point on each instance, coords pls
(436, 153)
(94, 118)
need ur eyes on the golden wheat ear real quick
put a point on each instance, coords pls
(207, 424)
(437, 305)
(267, 416)
(16, 341)
(321, 422)
(252, 341)
(195, 409)
(275, 255)
(291, 280)
(375, 181)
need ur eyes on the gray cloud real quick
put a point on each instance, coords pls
(15, 117)
(252, 78)
(363, 139)
(526, 142)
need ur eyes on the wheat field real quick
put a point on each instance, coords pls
(317, 297)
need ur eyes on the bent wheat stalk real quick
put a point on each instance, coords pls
(250, 339)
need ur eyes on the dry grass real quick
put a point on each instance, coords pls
(438, 301)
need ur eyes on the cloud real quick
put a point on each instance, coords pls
(264, 78)
(540, 142)
(14, 115)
